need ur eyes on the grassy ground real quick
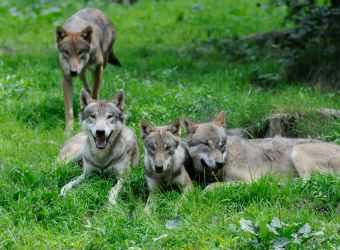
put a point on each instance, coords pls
(167, 72)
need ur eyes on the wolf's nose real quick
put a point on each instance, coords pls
(73, 72)
(100, 132)
(158, 168)
(219, 164)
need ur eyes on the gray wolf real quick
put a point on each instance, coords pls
(108, 146)
(218, 158)
(165, 157)
(84, 42)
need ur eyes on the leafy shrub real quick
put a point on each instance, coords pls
(314, 39)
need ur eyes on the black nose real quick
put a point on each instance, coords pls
(73, 73)
(100, 132)
(158, 168)
(219, 164)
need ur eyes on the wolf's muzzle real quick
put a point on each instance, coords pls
(159, 169)
(73, 73)
(219, 164)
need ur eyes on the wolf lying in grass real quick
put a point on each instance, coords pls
(218, 158)
(165, 158)
(85, 42)
(106, 145)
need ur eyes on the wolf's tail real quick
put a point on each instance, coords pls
(114, 60)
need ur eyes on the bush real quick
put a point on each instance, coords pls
(313, 43)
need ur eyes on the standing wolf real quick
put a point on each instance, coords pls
(218, 158)
(109, 146)
(85, 42)
(165, 159)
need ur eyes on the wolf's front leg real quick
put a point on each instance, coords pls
(73, 183)
(97, 78)
(148, 206)
(185, 181)
(121, 171)
(84, 80)
(68, 104)
(113, 194)
(153, 187)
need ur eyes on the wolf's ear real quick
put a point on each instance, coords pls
(60, 33)
(189, 126)
(175, 127)
(87, 34)
(119, 99)
(220, 119)
(146, 128)
(85, 99)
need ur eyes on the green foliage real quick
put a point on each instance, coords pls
(166, 74)
(313, 41)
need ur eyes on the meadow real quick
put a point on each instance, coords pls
(171, 69)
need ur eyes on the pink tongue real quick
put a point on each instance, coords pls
(100, 141)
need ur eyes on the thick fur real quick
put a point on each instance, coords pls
(85, 41)
(248, 160)
(73, 149)
(165, 157)
(106, 144)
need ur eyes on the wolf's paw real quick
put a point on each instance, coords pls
(147, 209)
(215, 185)
(113, 199)
(63, 192)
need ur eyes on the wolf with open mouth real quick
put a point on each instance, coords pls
(106, 145)
(217, 158)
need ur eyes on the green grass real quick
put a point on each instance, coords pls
(167, 72)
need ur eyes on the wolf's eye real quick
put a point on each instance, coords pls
(110, 116)
(93, 116)
(80, 52)
(167, 147)
(151, 147)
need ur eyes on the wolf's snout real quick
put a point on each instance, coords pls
(73, 72)
(100, 132)
(159, 168)
(219, 164)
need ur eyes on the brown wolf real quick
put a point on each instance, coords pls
(165, 157)
(85, 42)
(218, 158)
(106, 144)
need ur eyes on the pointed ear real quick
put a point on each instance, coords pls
(87, 34)
(119, 99)
(220, 119)
(146, 128)
(85, 99)
(189, 126)
(175, 127)
(60, 33)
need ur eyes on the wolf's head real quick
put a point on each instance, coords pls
(160, 144)
(207, 144)
(74, 48)
(102, 120)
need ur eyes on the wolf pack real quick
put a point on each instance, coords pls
(206, 154)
